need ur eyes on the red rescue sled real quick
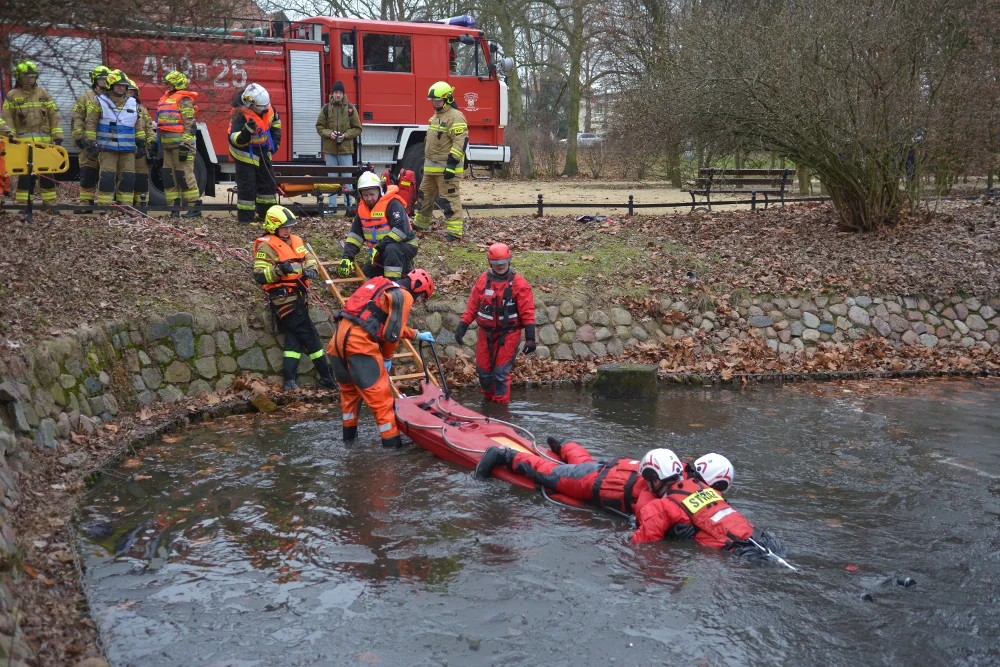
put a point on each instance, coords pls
(455, 433)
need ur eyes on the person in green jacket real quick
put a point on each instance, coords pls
(339, 125)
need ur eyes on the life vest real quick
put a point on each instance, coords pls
(364, 309)
(497, 306)
(374, 226)
(261, 137)
(708, 512)
(116, 127)
(294, 251)
(406, 184)
(615, 485)
(169, 120)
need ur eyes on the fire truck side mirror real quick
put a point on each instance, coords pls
(507, 64)
(467, 39)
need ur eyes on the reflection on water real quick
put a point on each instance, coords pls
(264, 540)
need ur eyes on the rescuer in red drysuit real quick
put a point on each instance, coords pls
(665, 503)
(502, 304)
(612, 483)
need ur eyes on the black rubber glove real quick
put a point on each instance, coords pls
(244, 137)
(183, 153)
(92, 151)
(682, 531)
(286, 268)
(311, 273)
(151, 150)
(449, 174)
(529, 339)
(140, 151)
(250, 125)
(79, 144)
(58, 141)
(460, 332)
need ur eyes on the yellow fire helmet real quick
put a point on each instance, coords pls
(98, 72)
(117, 76)
(177, 79)
(276, 217)
(441, 90)
(24, 68)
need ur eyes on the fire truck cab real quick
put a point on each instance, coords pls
(386, 67)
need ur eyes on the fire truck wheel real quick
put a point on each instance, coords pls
(413, 158)
(156, 197)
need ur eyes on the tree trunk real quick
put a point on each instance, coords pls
(803, 176)
(526, 158)
(575, 52)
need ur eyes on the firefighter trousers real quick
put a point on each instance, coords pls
(179, 183)
(44, 187)
(141, 191)
(394, 261)
(495, 354)
(300, 336)
(575, 478)
(255, 190)
(89, 169)
(360, 372)
(117, 178)
(432, 187)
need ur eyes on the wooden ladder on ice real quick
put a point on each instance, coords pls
(409, 353)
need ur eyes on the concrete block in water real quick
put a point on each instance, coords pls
(625, 381)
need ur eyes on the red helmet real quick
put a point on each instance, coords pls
(498, 251)
(420, 283)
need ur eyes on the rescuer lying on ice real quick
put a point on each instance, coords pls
(654, 489)
(369, 328)
(380, 232)
(502, 304)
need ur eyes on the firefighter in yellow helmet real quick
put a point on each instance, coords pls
(175, 127)
(145, 146)
(444, 161)
(111, 133)
(283, 267)
(32, 114)
(89, 166)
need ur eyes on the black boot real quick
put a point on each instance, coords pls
(289, 368)
(195, 210)
(555, 444)
(350, 433)
(395, 442)
(493, 457)
(326, 379)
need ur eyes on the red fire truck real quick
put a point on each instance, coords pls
(386, 68)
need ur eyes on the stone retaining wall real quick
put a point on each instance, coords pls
(568, 329)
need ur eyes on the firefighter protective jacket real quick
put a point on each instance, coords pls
(447, 138)
(268, 252)
(265, 138)
(342, 117)
(84, 104)
(175, 119)
(32, 113)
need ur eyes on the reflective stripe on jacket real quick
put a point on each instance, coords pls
(266, 137)
(32, 114)
(447, 136)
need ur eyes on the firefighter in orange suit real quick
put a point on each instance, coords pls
(369, 328)
(283, 267)
(175, 126)
(502, 303)
(254, 136)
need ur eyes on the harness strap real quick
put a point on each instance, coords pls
(628, 491)
(596, 499)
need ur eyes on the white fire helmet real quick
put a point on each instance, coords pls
(716, 471)
(659, 465)
(256, 96)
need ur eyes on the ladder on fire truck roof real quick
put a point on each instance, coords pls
(409, 355)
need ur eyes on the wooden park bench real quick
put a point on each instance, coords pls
(753, 182)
